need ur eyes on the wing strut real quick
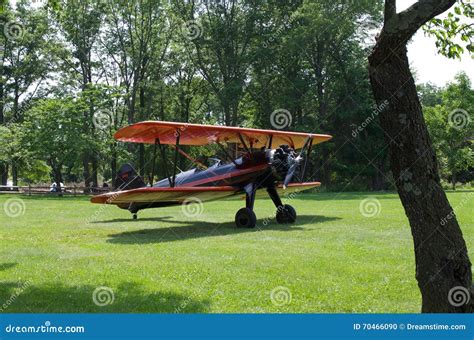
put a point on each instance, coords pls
(163, 156)
(154, 162)
(243, 143)
(308, 152)
(194, 160)
(175, 165)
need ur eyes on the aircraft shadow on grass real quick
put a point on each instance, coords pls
(128, 297)
(7, 265)
(185, 230)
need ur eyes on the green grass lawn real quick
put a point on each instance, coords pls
(59, 250)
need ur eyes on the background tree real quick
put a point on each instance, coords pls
(450, 127)
(26, 62)
(52, 132)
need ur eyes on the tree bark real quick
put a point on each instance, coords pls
(94, 175)
(14, 174)
(453, 179)
(441, 256)
(86, 172)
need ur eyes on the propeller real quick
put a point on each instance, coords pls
(295, 162)
(291, 171)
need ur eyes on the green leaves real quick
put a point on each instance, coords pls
(454, 33)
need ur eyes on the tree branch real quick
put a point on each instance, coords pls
(404, 25)
(390, 10)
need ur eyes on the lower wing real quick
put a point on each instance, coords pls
(172, 195)
(180, 194)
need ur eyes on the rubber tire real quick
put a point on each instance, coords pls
(286, 214)
(245, 218)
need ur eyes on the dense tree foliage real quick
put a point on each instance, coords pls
(230, 62)
(453, 141)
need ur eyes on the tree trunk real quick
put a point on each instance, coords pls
(453, 179)
(95, 165)
(58, 179)
(14, 174)
(85, 172)
(442, 262)
(4, 173)
(113, 164)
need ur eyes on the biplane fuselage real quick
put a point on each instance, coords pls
(267, 168)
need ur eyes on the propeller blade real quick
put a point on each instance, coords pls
(291, 173)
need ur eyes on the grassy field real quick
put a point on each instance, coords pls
(67, 255)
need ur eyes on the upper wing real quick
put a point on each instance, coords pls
(196, 134)
(177, 195)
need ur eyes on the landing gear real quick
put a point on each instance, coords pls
(245, 218)
(286, 214)
(134, 210)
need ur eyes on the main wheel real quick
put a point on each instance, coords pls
(245, 218)
(286, 214)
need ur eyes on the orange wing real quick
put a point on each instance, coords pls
(196, 134)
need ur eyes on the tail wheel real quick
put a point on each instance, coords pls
(286, 214)
(245, 218)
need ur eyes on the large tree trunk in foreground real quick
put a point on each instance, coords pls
(441, 255)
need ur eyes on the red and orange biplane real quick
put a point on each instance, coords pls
(269, 160)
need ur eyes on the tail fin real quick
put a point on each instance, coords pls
(127, 178)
